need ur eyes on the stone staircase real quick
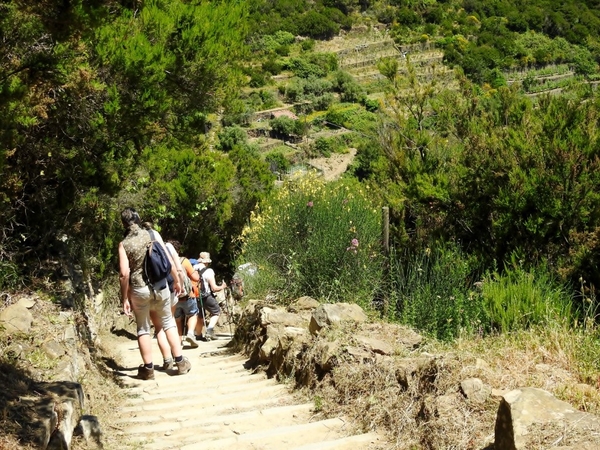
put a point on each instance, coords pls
(220, 404)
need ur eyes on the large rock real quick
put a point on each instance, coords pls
(16, 319)
(375, 345)
(529, 415)
(329, 314)
(303, 304)
(475, 390)
(276, 316)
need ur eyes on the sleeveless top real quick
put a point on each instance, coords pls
(135, 244)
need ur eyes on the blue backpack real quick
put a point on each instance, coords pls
(157, 266)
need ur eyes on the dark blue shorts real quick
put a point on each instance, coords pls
(186, 308)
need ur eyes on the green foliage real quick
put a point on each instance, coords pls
(229, 137)
(316, 65)
(287, 127)
(316, 239)
(351, 116)
(277, 161)
(432, 290)
(518, 299)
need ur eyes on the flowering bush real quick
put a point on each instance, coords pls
(318, 239)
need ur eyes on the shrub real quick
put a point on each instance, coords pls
(283, 126)
(277, 161)
(272, 66)
(518, 299)
(317, 26)
(308, 45)
(315, 238)
(431, 290)
(231, 136)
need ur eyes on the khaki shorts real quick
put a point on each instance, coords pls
(143, 300)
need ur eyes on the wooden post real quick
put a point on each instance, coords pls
(385, 230)
(385, 235)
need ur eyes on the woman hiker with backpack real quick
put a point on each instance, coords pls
(207, 286)
(147, 298)
(186, 308)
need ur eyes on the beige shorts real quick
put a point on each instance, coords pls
(143, 300)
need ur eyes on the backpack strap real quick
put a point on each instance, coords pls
(201, 282)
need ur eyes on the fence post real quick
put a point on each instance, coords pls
(385, 234)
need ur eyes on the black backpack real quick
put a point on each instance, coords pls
(202, 288)
(157, 266)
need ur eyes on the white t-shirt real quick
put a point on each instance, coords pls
(207, 275)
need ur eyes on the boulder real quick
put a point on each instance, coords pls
(53, 349)
(526, 413)
(409, 338)
(375, 345)
(27, 302)
(16, 318)
(326, 354)
(329, 314)
(475, 390)
(276, 316)
(270, 344)
(303, 304)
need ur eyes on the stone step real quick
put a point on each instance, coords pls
(201, 411)
(214, 390)
(200, 429)
(197, 399)
(363, 441)
(275, 438)
(162, 387)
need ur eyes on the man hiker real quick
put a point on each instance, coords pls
(149, 303)
(207, 301)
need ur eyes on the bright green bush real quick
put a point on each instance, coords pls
(519, 298)
(433, 291)
(315, 238)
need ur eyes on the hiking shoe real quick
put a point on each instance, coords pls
(144, 373)
(183, 366)
(210, 334)
(168, 364)
(192, 341)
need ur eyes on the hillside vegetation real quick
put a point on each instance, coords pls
(476, 122)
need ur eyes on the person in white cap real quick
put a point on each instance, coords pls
(207, 300)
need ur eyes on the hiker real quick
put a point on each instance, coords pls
(187, 305)
(174, 253)
(174, 258)
(207, 300)
(161, 339)
(148, 303)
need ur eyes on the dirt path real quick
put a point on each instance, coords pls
(222, 405)
(334, 166)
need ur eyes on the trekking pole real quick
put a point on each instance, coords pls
(229, 317)
(203, 315)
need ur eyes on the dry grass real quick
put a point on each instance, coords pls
(21, 375)
(430, 411)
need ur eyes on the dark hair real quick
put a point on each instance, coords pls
(176, 245)
(129, 216)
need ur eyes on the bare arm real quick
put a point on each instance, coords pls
(124, 279)
(175, 256)
(174, 274)
(213, 284)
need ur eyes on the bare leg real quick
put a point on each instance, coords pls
(161, 339)
(213, 321)
(179, 322)
(174, 342)
(145, 345)
(192, 322)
